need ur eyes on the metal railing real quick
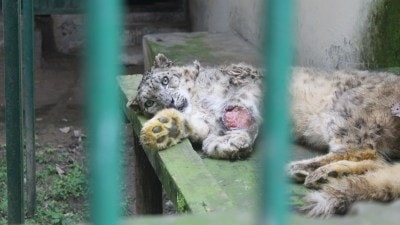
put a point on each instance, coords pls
(104, 28)
(278, 57)
(104, 117)
(13, 110)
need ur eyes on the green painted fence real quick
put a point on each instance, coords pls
(28, 104)
(13, 111)
(275, 134)
(104, 116)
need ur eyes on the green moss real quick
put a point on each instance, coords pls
(181, 203)
(193, 48)
(381, 41)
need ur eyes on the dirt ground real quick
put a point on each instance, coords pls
(60, 107)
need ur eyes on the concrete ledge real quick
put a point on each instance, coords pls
(209, 48)
(370, 214)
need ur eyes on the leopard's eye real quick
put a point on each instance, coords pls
(164, 81)
(148, 103)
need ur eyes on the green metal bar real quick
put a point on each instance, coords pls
(45, 7)
(12, 70)
(278, 58)
(104, 115)
(29, 106)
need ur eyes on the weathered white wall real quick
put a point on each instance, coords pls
(246, 18)
(329, 32)
(209, 15)
(242, 17)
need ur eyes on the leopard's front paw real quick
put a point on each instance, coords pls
(167, 128)
(232, 146)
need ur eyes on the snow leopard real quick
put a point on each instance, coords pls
(353, 114)
(218, 107)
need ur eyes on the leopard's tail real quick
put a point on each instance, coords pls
(336, 198)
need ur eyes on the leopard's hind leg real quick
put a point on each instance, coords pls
(335, 198)
(354, 132)
(237, 132)
(300, 170)
(337, 170)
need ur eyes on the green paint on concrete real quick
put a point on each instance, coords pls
(192, 46)
(381, 40)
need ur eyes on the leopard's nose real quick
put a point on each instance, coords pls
(172, 104)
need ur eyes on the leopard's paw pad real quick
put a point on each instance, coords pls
(165, 129)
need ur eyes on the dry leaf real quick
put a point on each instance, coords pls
(65, 130)
(60, 171)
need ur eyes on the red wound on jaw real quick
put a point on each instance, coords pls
(237, 118)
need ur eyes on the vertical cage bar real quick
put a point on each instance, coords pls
(29, 104)
(12, 71)
(104, 116)
(278, 58)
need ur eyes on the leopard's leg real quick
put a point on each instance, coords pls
(339, 169)
(167, 128)
(234, 144)
(235, 137)
(336, 197)
(299, 170)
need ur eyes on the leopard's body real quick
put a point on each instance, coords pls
(354, 114)
(218, 107)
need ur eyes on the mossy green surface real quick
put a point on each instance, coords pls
(193, 48)
(181, 204)
(381, 41)
(210, 49)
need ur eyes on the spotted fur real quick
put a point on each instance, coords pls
(396, 109)
(202, 104)
(354, 115)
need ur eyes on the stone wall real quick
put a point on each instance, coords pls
(329, 33)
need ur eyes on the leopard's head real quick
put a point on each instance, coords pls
(166, 86)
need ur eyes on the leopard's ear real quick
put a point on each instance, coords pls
(161, 61)
(197, 65)
(134, 105)
(192, 71)
(196, 70)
